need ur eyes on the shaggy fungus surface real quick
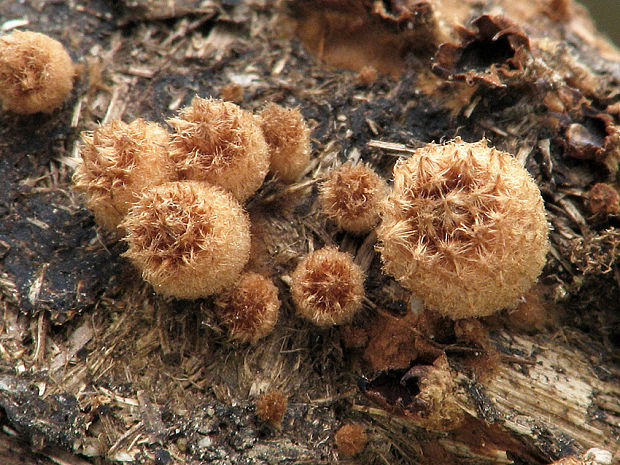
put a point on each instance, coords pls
(189, 239)
(271, 407)
(119, 160)
(327, 287)
(250, 308)
(464, 228)
(351, 197)
(288, 138)
(220, 143)
(36, 73)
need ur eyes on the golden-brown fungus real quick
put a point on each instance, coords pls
(327, 287)
(220, 143)
(36, 73)
(189, 239)
(119, 160)
(464, 228)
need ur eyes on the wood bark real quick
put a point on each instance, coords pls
(97, 369)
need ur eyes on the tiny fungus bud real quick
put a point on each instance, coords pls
(250, 308)
(288, 139)
(352, 197)
(603, 199)
(119, 160)
(327, 287)
(351, 439)
(220, 143)
(36, 73)
(271, 406)
(189, 239)
(464, 228)
(232, 92)
(367, 75)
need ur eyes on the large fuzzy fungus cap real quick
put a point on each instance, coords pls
(288, 138)
(352, 196)
(119, 160)
(327, 287)
(250, 308)
(189, 239)
(36, 72)
(464, 228)
(218, 142)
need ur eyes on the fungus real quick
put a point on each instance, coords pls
(351, 439)
(271, 406)
(250, 308)
(189, 239)
(351, 197)
(367, 75)
(603, 199)
(220, 143)
(327, 287)
(288, 139)
(36, 73)
(232, 92)
(119, 160)
(464, 228)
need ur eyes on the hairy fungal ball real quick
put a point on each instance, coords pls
(271, 406)
(464, 228)
(218, 142)
(288, 139)
(36, 73)
(250, 308)
(351, 439)
(189, 239)
(327, 287)
(352, 197)
(603, 199)
(119, 161)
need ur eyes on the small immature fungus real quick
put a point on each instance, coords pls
(464, 228)
(603, 199)
(250, 308)
(271, 406)
(352, 197)
(36, 73)
(220, 143)
(327, 287)
(119, 160)
(189, 239)
(288, 139)
(351, 439)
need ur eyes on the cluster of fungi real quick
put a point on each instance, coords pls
(177, 200)
(463, 227)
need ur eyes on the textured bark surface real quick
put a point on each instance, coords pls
(95, 368)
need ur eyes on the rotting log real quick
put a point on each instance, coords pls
(96, 369)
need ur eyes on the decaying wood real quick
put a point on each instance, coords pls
(95, 368)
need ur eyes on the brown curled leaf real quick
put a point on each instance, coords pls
(497, 50)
